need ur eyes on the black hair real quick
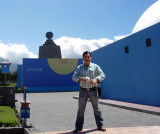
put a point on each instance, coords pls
(87, 52)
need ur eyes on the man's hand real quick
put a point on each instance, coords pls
(94, 81)
(83, 79)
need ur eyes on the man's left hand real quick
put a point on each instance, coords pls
(94, 81)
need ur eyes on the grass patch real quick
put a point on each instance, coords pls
(7, 117)
(19, 88)
(8, 85)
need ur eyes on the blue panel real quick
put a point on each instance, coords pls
(5, 69)
(132, 77)
(19, 69)
(53, 89)
(25, 112)
(38, 73)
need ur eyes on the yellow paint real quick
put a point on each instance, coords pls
(62, 66)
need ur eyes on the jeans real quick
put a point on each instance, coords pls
(93, 96)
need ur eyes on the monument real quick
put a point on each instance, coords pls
(50, 72)
(49, 48)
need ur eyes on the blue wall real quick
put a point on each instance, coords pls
(19, 75)
(132, 77)
(41, 75)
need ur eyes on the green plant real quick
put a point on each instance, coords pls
(8, 85)
(8, 117)
(20, 120)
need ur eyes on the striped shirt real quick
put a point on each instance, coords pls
(91, 72)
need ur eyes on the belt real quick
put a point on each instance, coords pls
(88, 89)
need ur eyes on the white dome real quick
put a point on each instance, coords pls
(150, 17)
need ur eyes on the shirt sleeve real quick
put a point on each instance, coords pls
(99, 74)
(76, 75)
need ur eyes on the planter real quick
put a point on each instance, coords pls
(7, 96)
(13, 130)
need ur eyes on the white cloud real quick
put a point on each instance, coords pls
(15, 52)
(74, 47)
(118, 37)
(70, 48)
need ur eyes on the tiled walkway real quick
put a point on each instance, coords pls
(121, 130)
(118, 119)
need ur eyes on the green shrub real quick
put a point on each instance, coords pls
(8, 117)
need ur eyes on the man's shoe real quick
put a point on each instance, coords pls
(102, 129)
(76, 131)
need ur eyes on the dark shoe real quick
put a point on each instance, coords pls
(102, 129)
(76, 131)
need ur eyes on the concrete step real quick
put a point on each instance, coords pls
(130, 106)
(120, 130)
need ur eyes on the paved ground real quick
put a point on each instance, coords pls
(121, 130)
(57, 111)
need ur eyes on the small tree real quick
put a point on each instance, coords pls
(13, 76)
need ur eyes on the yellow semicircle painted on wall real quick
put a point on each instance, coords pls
(62, 66)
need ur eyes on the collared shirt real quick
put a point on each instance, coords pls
(91, 72)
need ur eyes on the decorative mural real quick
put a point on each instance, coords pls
(47, 73)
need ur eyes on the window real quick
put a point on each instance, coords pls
(126, 49)
(148, 42)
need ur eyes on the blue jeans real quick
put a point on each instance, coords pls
(93, 96)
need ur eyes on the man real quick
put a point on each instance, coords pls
(88, 74)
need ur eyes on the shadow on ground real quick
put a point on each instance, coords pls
(83, 132)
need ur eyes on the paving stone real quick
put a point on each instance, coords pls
(121, 130)
(56, 111)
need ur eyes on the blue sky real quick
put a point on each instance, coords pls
(27, 21)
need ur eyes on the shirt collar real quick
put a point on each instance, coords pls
(89, 64)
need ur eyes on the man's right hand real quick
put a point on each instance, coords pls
(83, 79)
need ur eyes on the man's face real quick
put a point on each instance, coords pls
(87, 59)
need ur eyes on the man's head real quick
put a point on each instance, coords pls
(87, 58)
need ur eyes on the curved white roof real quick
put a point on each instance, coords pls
(150, 17)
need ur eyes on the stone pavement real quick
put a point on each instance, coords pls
(55, 112)
(121, 130)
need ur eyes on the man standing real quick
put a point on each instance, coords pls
(88, 74)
